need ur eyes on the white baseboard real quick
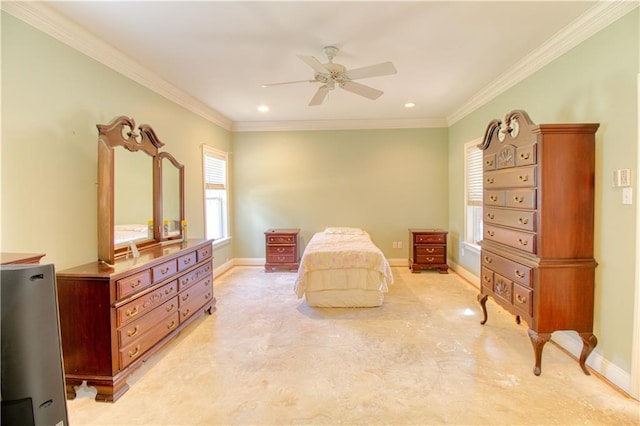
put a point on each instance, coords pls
(572, 343)
(464, 273)
(398, 262)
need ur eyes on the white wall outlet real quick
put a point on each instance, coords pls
(399, 244)
(395, 244)
(622, 177)
(627, 195)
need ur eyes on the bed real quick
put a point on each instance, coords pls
(342, 267)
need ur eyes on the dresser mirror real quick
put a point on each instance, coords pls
(172, 194)
(133, 180)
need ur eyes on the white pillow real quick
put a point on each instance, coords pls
(343, 230)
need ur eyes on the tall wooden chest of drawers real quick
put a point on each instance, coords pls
(281, 249)
(428, 250)
(113, 318)
(538, 217)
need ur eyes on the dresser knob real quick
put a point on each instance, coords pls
(523, 242)
(493, 198)
(525, 155)
(518, 199)
(490, 215)
(523, 220)
(519, 274)
(490, 233)
(523, 178)
(521, 299)
(171, 325)
(489, 180)
(488, 259)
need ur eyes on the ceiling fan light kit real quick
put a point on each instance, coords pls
(332, 75)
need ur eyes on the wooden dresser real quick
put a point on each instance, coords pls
(112, 319)
(281, 249)
(20, 258)
(537, 248)
(428, 250)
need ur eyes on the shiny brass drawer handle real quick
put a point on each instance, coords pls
(490, 215)
(489, 162)
(185, 313)
(518, 199)
(430, 250)
(136, 283)
(489, 180)
(132, 312)
(164, 271)
(134, 352)
(521, 299)
(187, 261)
(523, 242)
(525, 155)
(134, 331)
(491, 233)
(169, 290)
(170, 308)
(523, 220)
(185, 297)
(493, 198)
(208, 296)
(488, 259)
(172, 325)
(519, 274)
(523, 178)
(430, 259)
(486, 279)
(280, 250)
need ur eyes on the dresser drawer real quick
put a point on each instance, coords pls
(192, 277)
(486, 278)
(430, 250)
(133, 283)
(187, 261)
(429, 238)
(130, 353)
(137, 328)
(205, 253)
(430, 259)
(521, 198)
(512, 218)
(516, 239)
(165, 270)
(526, 155)
(489, 162)
(140, 306)
(523, 299)
(281, 239)
(191, 300)
(520, 177)
(507, 268)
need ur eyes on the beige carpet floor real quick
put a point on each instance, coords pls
(266, 358)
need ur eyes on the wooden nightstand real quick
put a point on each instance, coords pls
(281, 249)
(428, 250)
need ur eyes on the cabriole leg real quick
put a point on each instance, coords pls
(589, 342)
(482, 298)
(538, 341)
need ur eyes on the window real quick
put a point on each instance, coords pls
(215, 193)
(473, 192)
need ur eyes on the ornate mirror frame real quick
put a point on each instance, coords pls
(122, 132)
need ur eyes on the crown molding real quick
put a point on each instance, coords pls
(278, 126)
(43, 18)
(589, 23)
(38, 15)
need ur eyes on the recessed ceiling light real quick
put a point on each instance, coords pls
(409, 105)
(263, 108)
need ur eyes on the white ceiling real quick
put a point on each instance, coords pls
(216, 54)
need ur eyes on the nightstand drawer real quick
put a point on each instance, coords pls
(281, 239)
(430, 250)
(430, 238)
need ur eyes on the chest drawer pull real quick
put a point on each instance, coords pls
(134, 331)
(489, 180)
(186, 313)
(488, 259)
(134, 352)
(523, 242)
(491, 233)
(519, 274)
(523, 178)
(520, 298)
(518, 198)
(523, 220)
(164, 271)
(525, 155)
(169, 290)
(132, 312)
(490, 216)
(208, 296)
(493, 198)
(172, 325)
(170, 307)
(185, 297)
(486, 279)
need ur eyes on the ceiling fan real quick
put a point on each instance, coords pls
(332, 75)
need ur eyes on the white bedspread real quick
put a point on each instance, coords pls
(341, 255)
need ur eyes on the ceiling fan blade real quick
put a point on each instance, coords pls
(361, 89)
(315, 64)
(289, 82)
(384, 68)
(321, 93)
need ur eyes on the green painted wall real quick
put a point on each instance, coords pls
(594, 82)
(384, 181)
(52, 98)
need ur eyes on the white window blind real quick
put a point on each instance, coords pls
(214, 170)
(474, 176)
